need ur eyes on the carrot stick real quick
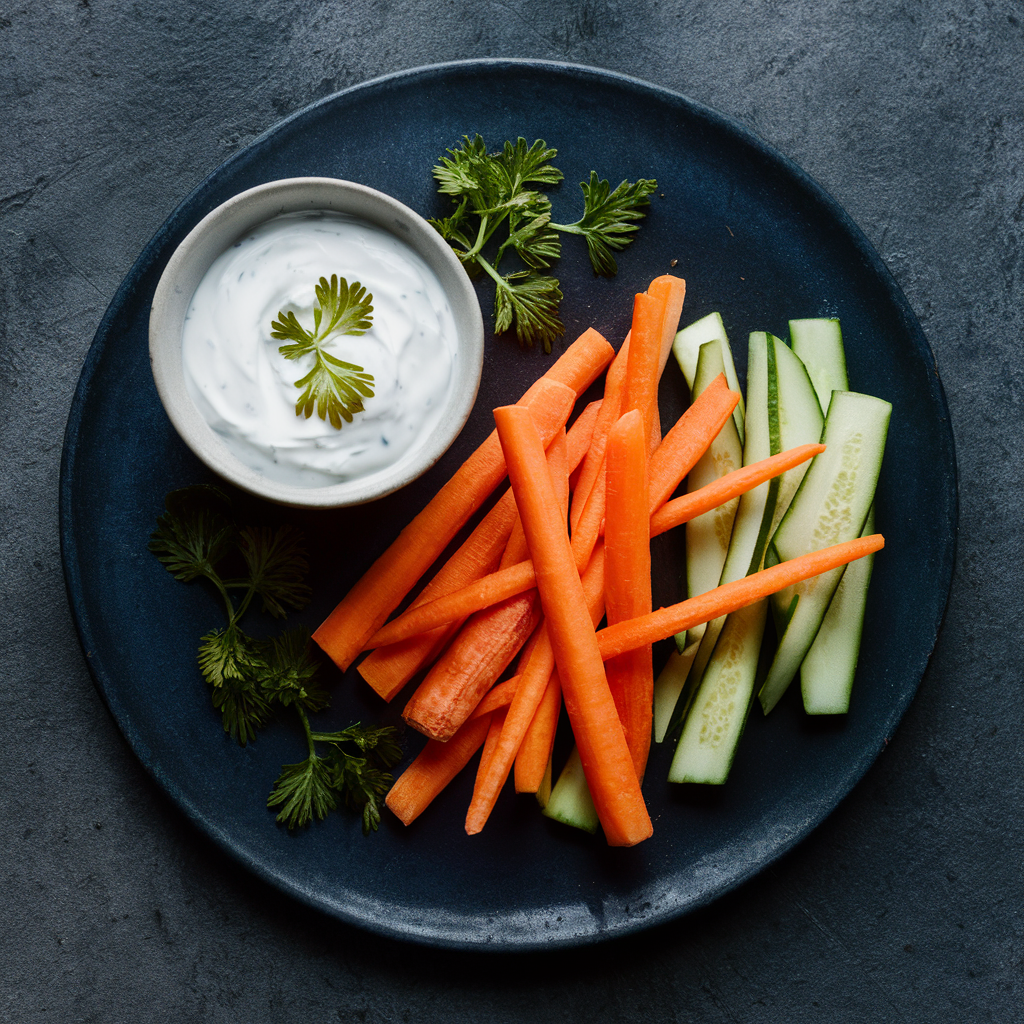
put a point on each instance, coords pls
(488, 590)
(363, 610)
(590, 524)
(491, 742)
(527, 650)
(433, 768)
(493, 735)
(533, 762)
(690, 438)
(627, 587)
(479, 653)
(533, 681)
(611, 409)
(682, 509)
(667, 292)
(534, 754)
(643, 371)
(516, 550)
(656, 438)
(499, 696)
(388, 670)
(530, 686)
(672, 291)
(580, 364)
(580, 435)
(678, 453)
(730, 597)
(639, 391)
(606, 760)
(367, 605)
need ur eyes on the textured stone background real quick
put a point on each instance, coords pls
(906, 905)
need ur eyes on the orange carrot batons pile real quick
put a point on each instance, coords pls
(521, 584)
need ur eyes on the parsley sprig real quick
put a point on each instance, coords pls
(495, 189)
(197, 537)
(334, 388)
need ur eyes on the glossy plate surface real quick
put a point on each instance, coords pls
(757, 240)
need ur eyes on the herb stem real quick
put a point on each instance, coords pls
(569, 229)
(498, 279)
(310, 737)
(216, 581)
(482, 236)
(242, 606)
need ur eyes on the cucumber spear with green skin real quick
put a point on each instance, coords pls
(827, 671)
(831, 506)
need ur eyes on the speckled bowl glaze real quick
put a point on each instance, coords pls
(219, 229)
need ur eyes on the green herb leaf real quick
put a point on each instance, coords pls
(537, 245)
(248, 677)
(234, 665)
(194, 534)
(291, 672)
(349, 310)
(363, 781)
(469, 171)
(362, 786)
(524, 164)
(360, 779)
(277, 567)
(335, 389)
(530, 301)
(381, 740)
(609, 218)
(242, 710)
(304, 791)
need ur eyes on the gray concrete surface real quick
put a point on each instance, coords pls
(905, 906)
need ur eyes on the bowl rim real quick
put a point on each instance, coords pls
(213, 234)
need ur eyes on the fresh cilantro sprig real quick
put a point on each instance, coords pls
(334, 388)
(495, 189)
(197, 538)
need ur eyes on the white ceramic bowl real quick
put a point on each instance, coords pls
(220, 229)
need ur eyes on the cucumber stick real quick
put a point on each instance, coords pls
(819, 344)
(761, 423)
(707, 536)
(831, 506)
(716, 718)
(687, 346)
(570, 801)
(827, 671)
(782, 412)
(669, 686)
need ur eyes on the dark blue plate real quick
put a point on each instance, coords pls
(756, 239)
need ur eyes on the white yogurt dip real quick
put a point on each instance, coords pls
(244, 387)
